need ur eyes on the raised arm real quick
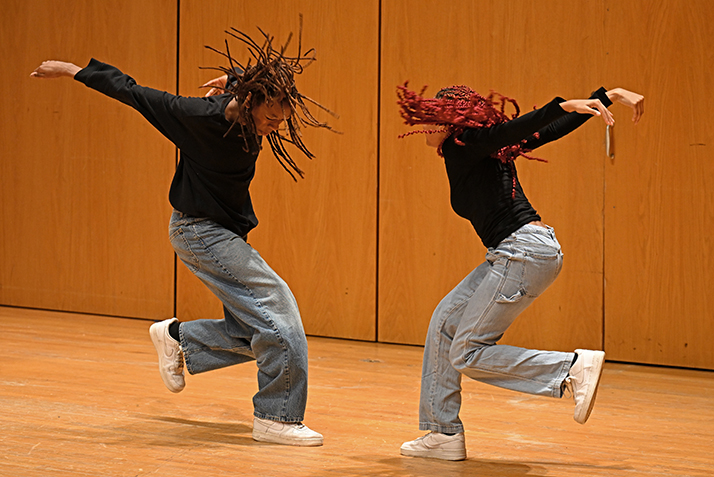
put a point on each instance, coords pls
(168, 113)
(488, 140)
(580, 111)
(583, 109)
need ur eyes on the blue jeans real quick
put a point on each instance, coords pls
(473, 317)
(261, 322)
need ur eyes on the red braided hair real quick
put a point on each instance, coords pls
(457, 108)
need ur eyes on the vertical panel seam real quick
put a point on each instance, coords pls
(604, 248)
(178, 43)
(379, 167)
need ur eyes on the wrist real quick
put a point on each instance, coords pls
(72, 69)
(567, 106)
(613, 94)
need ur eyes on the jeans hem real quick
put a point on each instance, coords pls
(186, 357)
(558, 381)
(427, 426)
(270, 417)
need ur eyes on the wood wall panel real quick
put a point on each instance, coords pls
(319, 234)
(658, 214)
(83, 179)
(527, 52)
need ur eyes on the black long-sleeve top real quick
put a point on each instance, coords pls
(482, 186)
(214, 172)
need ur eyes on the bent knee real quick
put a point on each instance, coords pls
(460, 357)
(467, 355)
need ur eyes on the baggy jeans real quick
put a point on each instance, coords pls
(473, 317)
(261, 322)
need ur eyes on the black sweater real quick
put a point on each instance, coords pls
(482, 186)
(214, 172)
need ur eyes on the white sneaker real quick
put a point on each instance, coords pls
(170, 356)
(437, 446)
(289, 433)
(583, 380)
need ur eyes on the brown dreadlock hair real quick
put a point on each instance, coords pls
(271, 79)
(457, 108)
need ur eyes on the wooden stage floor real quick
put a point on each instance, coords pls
(81, 396)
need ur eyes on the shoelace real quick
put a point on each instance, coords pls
(567, 388)
(179, 363)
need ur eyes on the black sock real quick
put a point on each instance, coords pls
(174, 331)
(562, 386)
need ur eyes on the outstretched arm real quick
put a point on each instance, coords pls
(173, 116)
(55, 69)
(158, 107)
(583, 109)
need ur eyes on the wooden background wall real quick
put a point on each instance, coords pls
(367, 241)
(84, 180)
(659, 253)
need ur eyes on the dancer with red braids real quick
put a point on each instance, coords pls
(479, 144)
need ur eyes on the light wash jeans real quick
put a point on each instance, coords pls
(470, 320)
(261, 323)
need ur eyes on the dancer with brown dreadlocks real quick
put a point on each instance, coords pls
(479, 143)
(219, 139)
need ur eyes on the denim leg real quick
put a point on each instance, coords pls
(261, 317)
(230, 343)
(440, 399)
(514, 274)
(523, 266)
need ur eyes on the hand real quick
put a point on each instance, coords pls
(436, 136)
(629, 99)
(55, 69)
(217, 86)
(589, 106)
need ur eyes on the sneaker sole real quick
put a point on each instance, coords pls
(435, 454)
(156, 339)
(598, 360)
(265, 437)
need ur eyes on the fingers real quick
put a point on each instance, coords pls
(211, 84)
(605, 113)
(213, 91)
(608, 117)
(210, 92)
(634, 101)
(638, 110)
(39, 72)
(217, 86)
